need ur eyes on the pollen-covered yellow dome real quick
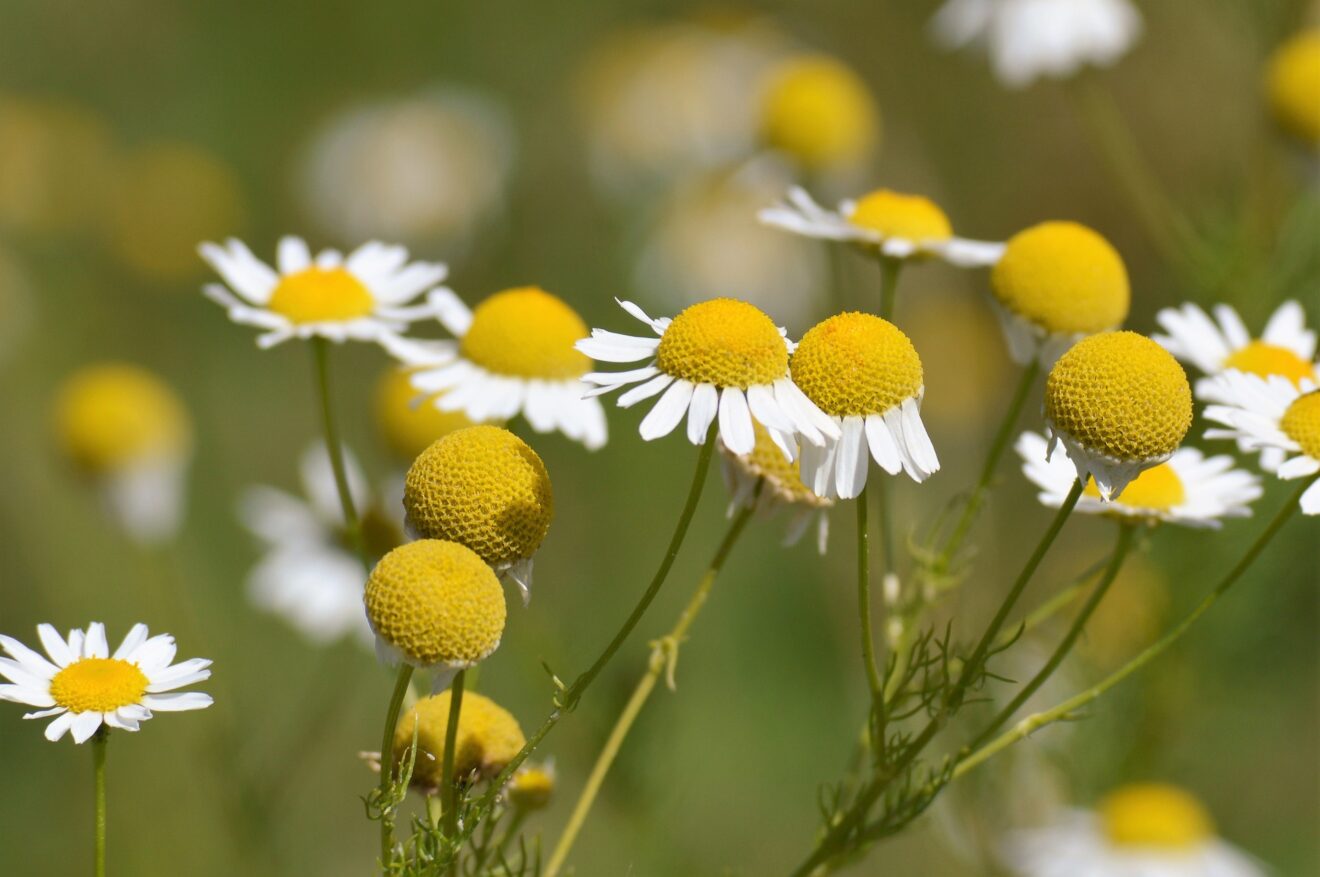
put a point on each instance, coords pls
(488, 738)
(99, 685)
(526, 332)
(482, 487)
(1154, 815)
(893, 214)
(1293, 85)
(113, 415)
(315, 295)
(1301, 423)
(437, 603)
(724, 342)
(1063, 277)
(767, 461)
(532, 787)
(857, 364)
(410, 428)
(1265, 359)
(820, 112)
(1122, 395)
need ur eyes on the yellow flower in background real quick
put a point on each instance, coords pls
(818, 111)
(407, 422)
(1293, 87)
(488, 739)
(55, 165)
(532, 786)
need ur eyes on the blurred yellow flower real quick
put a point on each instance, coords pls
(488, 739)
(1293, 87)
(817, 110)
(409, 424)
(55, 161)
(532, 786)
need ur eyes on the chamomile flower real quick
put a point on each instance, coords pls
(1140, 830)
(1189, 489)
(84, 686)
(1030, 39)
(488, 739)
(363, 297)
(1272, 414)
(532, 786)
(819, 112)
(1119, 404)
(514, 355)
(892, 224)
(1285, 348)
(781, 486)
(1292, 85)
(1056, 283)
(864, 373)
(720, 358)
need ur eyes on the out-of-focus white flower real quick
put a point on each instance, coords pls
(765, 481)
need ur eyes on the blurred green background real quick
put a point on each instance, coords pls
(130, 131)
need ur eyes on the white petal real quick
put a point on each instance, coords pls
(85, 725)
(55, 646)
(667, 413)
(736, 422)
(56, 729)
(851, 463)
(705, 405)
(96, 645)
(292, 255)
(137, 635)
(645, 391)
(1311, 500)
(882, 445)
(1298, 467)
(179, 701)
(27, 694)
(761, 399)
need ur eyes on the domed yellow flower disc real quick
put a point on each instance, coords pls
(1265, 359)
(1063, 277)
(1121, 394)
(1154, 815)
(1293, 84)
(316, 295)
(1158, 488)
(531, 788)
(482, 487)
(820, 112)
(99, 685)
(488, 738)
(1301, 423)
(857, 364)
(437, 603)
(112, 415)
(410, 428)
(893, 214)
(526, 332)
(724, 342)
(767, 461)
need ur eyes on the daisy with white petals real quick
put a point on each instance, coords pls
(362, 297)
(722, 359)
(84, 686)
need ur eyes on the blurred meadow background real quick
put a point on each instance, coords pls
(604, 149)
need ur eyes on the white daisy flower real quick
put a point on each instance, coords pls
(1189, 489)
(721, 358)
(514, 354)
(1142, 830)
(781, 486)
(363, 297)
(897, 226)
(1030, 39)
(84, 686)
(1272, 414)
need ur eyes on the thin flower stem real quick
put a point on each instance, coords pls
(1053, 606)
(387, 764)
(448, 788)
(335, 449)
(889, 271)
(98, 766)
(864, 606)
(662, 656)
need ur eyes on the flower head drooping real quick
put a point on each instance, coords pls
(485, 488)
(126, 431)
(407, 425)
(85, 686)
(865, 374)
(1190, 489)
(1030, 39)
(514, 355)
(890, 223)
(1145, 829)
(721, 358)
(363, 297)
(488, 739)
(818, 111)
(1056, 283)
(1293, 87)
(781, 485)
(1120, 404)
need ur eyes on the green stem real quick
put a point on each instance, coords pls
(335, 450)
(447, 785)
(98, 766)
(889, 270)
(387, 764)
(1053, 606)
(864, 605)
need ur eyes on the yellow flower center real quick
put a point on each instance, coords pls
(531, 788)
(410, 428)
(724, 342)
(1120, 394)
(818, 111)
(98, 685)
(784, 478)
(321, 295)
(482, 487)
(488, 738)
(893, 214)
(1063, 277)
(1301, 423)
(1154, 815)
(1263, 359)
(526, 332)
(1158, 488)
(109, 416)
(857, 364)
(1293, 85)
(436, 602)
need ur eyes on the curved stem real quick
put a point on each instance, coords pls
(448, 788)
(335, 450)
(98, 767)
(387, 764)
(864, 604)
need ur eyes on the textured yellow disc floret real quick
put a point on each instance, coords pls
(724, 342)
(528, 333)
(112, 415)
(1264, 359)
(531, 788)
(316, 295)
(436, 603)
(1122, 395)
(819, 111)
(488, 738)
(767, 461)
(1154, 815)
(409, 425)
(99, 685)
(1158, 488)
(1293, 84)
(857, 364)
(1301, 423)
(893, 214)
(1063, 277)
(482, 487)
